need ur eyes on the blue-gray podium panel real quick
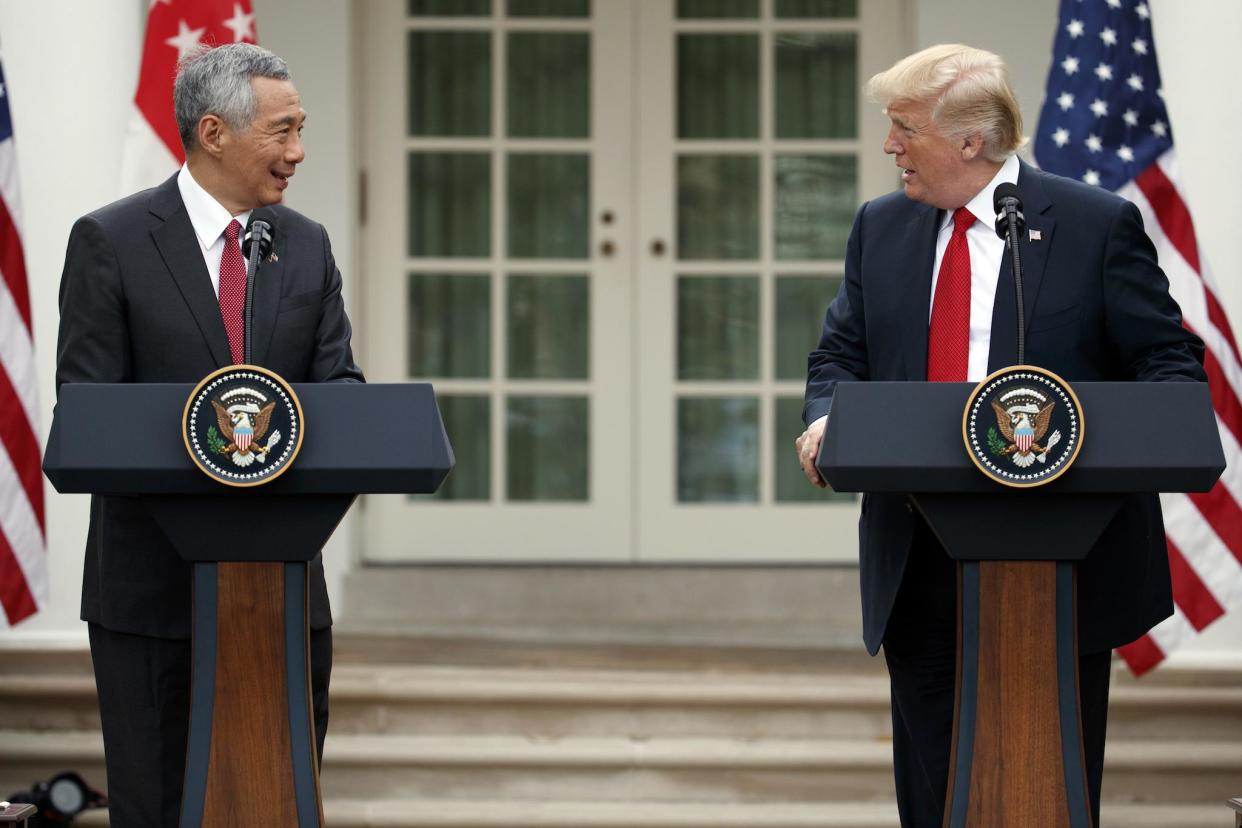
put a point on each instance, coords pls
(359, 439)
(907, 437)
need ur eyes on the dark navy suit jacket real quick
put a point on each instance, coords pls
(136, 305)
(1097, 309)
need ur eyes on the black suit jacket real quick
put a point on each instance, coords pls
(1097, 309)
(136, 305)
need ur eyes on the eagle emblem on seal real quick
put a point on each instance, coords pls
(244, 424)
(1023, 417)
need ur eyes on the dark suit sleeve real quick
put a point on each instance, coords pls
(333, 360)
(1144, 322)
(842, 350)
(93, 340)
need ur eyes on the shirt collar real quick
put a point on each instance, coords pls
(981, 205)
(206, 214)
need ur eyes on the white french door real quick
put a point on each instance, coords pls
(607, 232)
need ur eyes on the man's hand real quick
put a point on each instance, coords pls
(808, 450)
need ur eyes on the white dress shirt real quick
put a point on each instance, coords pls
(210, 219)
(986, 251)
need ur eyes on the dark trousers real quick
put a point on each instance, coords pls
(144, 706)
(920, 646)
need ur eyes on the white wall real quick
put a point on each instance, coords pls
(71, 67)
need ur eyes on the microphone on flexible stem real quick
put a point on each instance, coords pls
(256, 244)
(1009, 226)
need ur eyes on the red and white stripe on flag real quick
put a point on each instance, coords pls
(1204, 531)
(23, 557)
(174, 29)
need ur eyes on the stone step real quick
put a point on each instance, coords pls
(670, 770)
(346, 813)
(552, 703)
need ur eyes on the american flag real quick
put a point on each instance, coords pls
(174, 29)
(1104, 121)
(23, 559)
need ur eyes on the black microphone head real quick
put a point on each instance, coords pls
(1005, 191)
(1008, 206)
(259, 231)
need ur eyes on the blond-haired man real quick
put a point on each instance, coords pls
(928, 296)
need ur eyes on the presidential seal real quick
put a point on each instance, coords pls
(242, 425)
(1023, 426)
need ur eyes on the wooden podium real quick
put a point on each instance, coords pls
(251, 753)
(1017, 747)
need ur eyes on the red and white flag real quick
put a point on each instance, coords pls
(1104, 121)
(23, 556)
(174, 29)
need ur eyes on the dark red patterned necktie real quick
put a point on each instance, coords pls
(233, 290)
(948, 339)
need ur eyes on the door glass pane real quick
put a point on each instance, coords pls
(548, 85)
(466, 421)
(717, 449)
(549, 8)
(717, 86)
(816, 8)
(449, 8)
(548, 202)
(450, 84)
(791, 484)
(717, 8)
(800, 305)
(549, 320)
(548, 448)
(816, 196)
(449, 325)
(718, 207)
(816, 85)
(718, 327)
(450, 204)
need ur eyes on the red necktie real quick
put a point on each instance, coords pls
(948, 340)
(233, 290)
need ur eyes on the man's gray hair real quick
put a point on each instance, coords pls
(217, 81)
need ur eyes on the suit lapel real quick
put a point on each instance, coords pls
(917, 250)
(174, 238)
(1033, 246)
(268, 286)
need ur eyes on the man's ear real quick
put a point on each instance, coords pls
(211, 134)
(972, 146)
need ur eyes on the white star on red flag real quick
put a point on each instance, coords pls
(241, 24)
(186, 39)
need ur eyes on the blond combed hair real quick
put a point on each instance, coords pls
(968, 90)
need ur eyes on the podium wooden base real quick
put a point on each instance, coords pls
(251, 755)
(1017, 756)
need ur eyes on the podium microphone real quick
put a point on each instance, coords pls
(1009, 226)
(256, 244)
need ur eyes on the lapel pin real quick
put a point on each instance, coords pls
(273, 258)
(1035, 235)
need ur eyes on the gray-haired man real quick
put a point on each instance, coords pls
(145, 297)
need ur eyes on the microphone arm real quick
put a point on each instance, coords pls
(1009, 226)
(257, 243)
(1017, 287)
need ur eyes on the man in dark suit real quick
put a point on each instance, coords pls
(927, 296)
(150, 294)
